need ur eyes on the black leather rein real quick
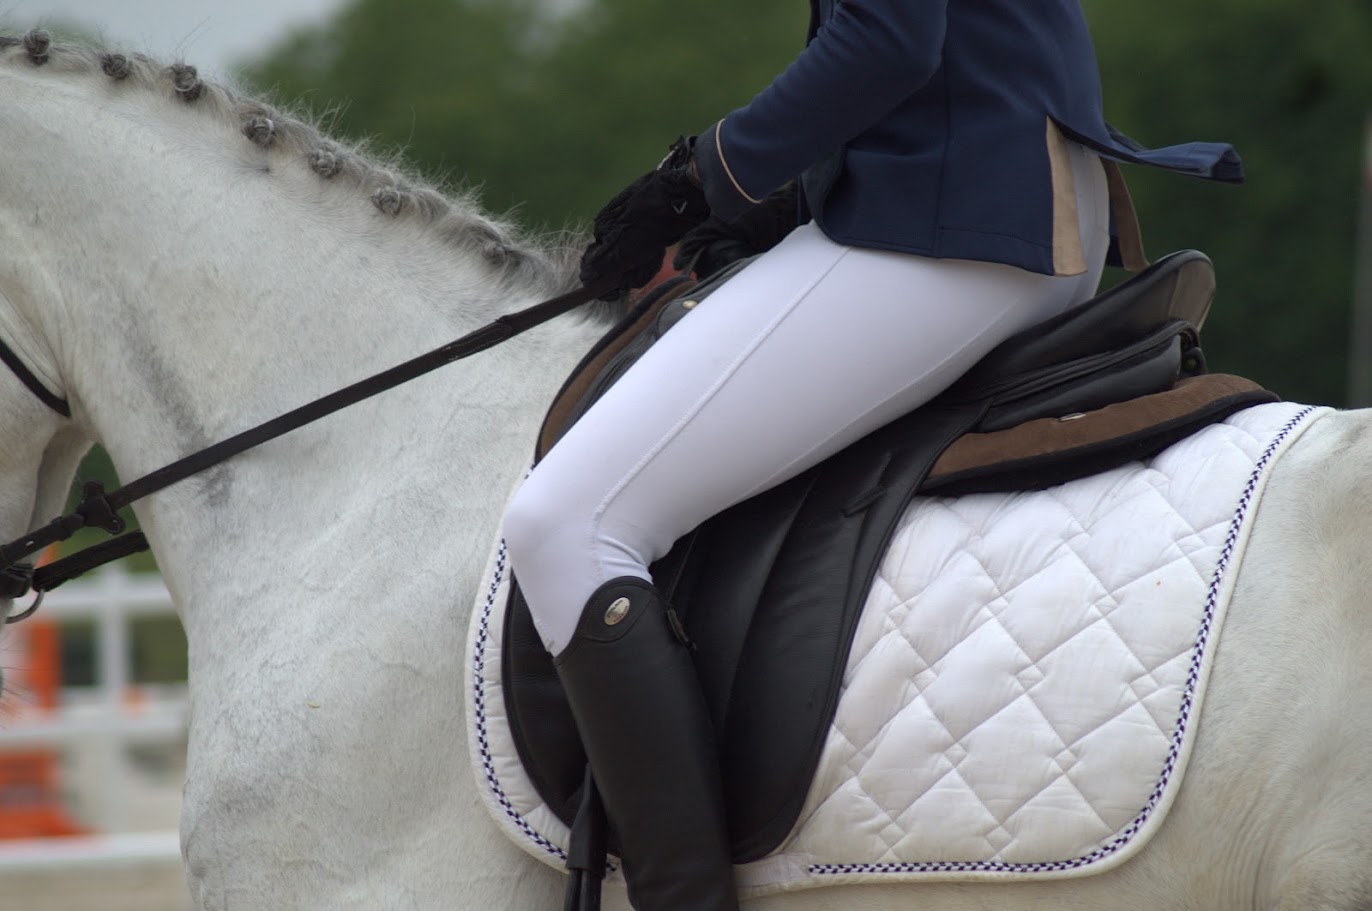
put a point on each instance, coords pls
(100, 509)
(30, 380)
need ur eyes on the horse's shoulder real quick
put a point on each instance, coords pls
(1344, 429)
(1331, 460)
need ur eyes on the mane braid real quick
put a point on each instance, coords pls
(459, 221)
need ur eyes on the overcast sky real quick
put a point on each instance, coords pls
(209, 34)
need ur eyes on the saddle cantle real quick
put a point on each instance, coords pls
(771, 589)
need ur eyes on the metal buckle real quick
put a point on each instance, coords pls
(32, 608)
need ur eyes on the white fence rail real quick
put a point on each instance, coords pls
(93, 730)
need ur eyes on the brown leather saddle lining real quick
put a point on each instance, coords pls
(984, 458)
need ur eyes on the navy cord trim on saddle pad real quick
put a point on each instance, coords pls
(479, 704)
(1198, 652)
(479, 711)
(1236, 525)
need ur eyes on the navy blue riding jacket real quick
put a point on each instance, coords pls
(938, 127)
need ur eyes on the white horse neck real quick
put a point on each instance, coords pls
(189, 282)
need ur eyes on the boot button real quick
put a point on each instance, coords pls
(619, 609)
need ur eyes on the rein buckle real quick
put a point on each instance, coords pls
(97, 511)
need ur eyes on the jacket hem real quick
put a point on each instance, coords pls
(959, 243)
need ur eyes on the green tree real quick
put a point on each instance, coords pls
(1290, 85)
(440, 78)
(555, 114)
(625, 78)
(550, 114)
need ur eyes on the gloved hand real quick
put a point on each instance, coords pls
(634, 230)
(716, 243)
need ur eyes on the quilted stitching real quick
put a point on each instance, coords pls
(1033, 732)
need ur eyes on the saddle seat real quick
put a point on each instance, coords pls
(770, 590)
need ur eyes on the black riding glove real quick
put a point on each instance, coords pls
(634, 230)
(717, 243)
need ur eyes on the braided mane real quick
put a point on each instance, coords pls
(458, 220)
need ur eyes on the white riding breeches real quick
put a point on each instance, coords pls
(808, 349)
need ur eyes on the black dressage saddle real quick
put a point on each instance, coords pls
(771, 590)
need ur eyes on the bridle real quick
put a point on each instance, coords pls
(16, 579)
(100, 509)
(34, 384)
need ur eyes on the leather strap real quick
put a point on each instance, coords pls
(586, 849)
(51, 575)
(101, 509)
(34, 384)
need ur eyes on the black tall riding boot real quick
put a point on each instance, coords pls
(637, 702)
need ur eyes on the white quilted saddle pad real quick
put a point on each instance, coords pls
(1022, 692)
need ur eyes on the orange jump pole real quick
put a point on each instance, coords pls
(30, 779)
